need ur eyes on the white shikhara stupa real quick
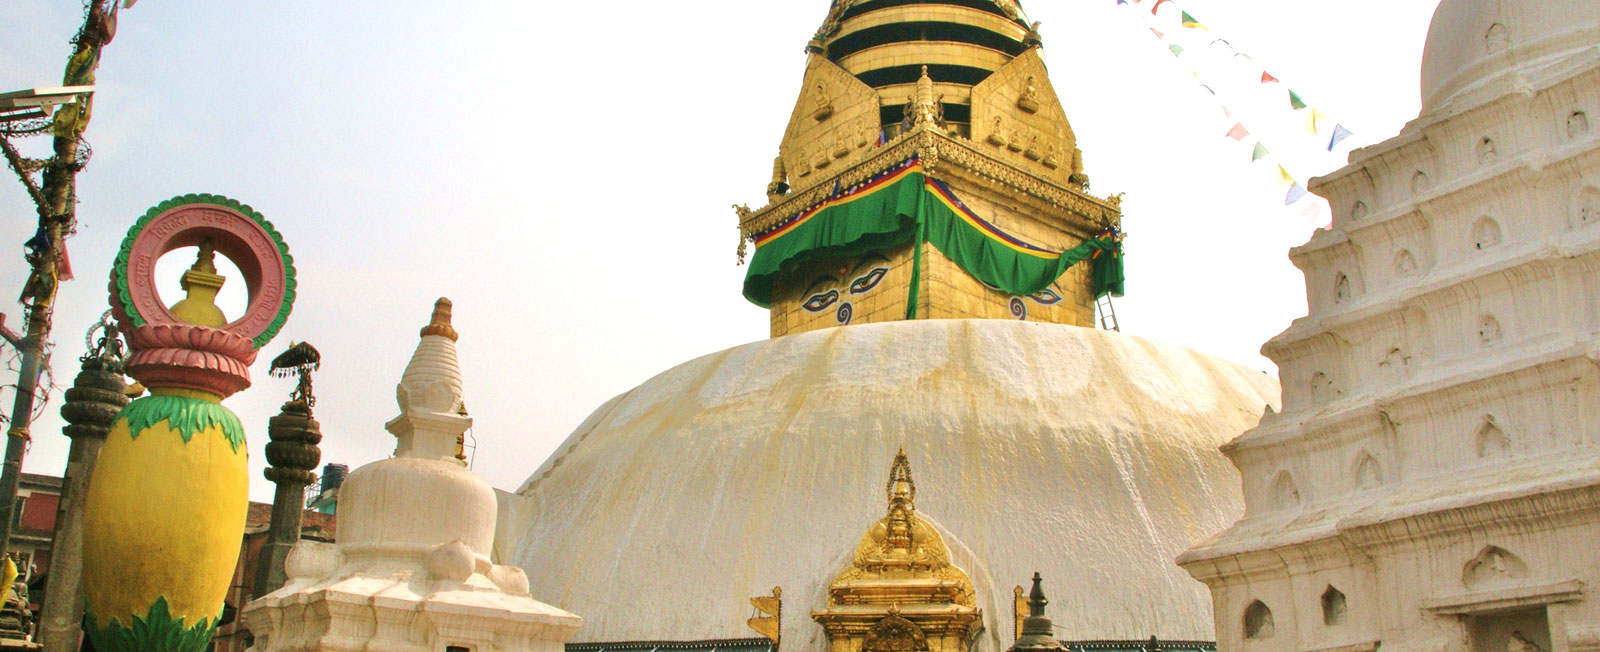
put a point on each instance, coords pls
(411, 571)
(1433, 482)
(1038, 445)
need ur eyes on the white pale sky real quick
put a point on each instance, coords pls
(563, 171)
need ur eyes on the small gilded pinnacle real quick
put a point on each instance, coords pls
(440, 324)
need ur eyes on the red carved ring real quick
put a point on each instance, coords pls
(234, 235)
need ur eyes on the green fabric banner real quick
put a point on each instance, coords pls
(887, 213)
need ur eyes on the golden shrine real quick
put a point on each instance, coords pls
(901, 594)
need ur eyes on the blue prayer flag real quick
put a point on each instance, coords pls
(1339, 133)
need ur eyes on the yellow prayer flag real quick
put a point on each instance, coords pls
(1313, 121)
(1284, 178)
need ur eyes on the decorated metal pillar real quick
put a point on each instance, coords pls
(168, 497)
(293, 453)
(93, 402)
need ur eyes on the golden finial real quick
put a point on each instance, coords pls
(440, 323)
(201, 283)
(901, 489)
(205, 260)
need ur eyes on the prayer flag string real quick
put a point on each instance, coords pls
(1315, 119)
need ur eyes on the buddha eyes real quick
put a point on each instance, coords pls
(868, 281)
(876, 267)
(1047, 297)
(820, 302)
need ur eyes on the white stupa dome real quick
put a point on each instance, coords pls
(1475, 42)
(1089, 456)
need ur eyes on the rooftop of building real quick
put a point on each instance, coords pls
(313, 525)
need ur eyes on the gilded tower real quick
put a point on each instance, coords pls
(953, 98)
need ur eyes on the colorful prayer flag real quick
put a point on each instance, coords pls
(1285, 179)
(63, 263)
(1267, 78)
(1238, 132)
(1296, 193)
(1313, 121)
(40, 240)
(1260, 153)
(1295, 101)
(1177, 50)
(1208, 88)
(1191, 23)
(1339, 134)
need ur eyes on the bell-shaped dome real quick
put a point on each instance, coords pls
(1087, 455)
(1473, 42)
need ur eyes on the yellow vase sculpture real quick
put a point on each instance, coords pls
(165, 509)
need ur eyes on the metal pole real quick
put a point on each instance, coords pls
(33, 362)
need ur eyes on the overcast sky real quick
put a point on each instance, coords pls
(563, 171)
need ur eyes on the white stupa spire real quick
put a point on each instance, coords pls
(412, 568)
(432, 417)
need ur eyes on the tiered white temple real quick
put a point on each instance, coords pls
(1434, 480)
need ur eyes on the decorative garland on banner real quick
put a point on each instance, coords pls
(905, 205)
(1315, 120)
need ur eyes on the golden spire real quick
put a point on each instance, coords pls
(902, 492)
(902, 560)
(925, 109)
(201, 284)
(440, 323)
(901, 488)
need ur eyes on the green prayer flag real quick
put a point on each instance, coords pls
(1177, 50)
(1260, 153)
(1295, 101)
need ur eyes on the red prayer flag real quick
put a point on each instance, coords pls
(1156, 8)
(1266, 78)
(1238, 132)
(1157, 33)
(63, 263)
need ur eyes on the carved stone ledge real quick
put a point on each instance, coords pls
(1365, 646)
(1477, 602)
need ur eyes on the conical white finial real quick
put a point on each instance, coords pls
(431, 414)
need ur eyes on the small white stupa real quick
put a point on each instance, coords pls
(411, 571)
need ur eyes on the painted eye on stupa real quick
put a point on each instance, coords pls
(820, 302)
(1047, 297)
(868, 281)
